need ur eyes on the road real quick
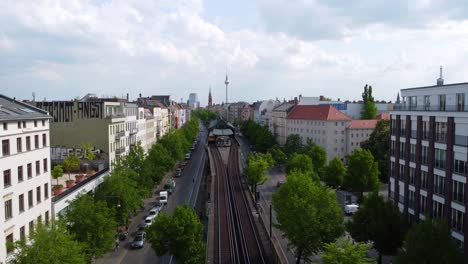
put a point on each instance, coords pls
(186, 192)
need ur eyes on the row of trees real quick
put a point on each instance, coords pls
(258, 135)
(88, 228)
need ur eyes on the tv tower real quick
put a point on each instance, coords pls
(226, 82)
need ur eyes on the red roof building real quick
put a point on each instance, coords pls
(317, 112)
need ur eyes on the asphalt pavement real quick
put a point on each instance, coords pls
(186, 192)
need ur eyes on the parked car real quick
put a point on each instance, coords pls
(178, 173)
(163, 197)
(149, 220)
(139, 240)
(187, 156)
(350, 209)
(280, 182)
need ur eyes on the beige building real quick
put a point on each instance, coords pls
(357, 132)
(278, 124)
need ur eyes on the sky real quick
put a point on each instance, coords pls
(270, 49)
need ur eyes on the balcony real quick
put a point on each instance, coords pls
(120, 151)
(133, 131)
(431, 108)
(119, 135)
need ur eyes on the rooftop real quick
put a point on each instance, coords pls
(363, 124)
(317, 112)
(10, 109)
(436, 86)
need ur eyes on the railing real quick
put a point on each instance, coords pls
(119, 135)
(116, 115)
(431, 108)
(134, 131)
(119, 151)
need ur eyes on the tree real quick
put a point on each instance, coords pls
(303, 164)
(363, 173)
(121, 191)
(87, 151)
(380, 222)
(293, 144)
(72, 162)
(378, 144)
(173, 143)
(180, 235)
(255, 171)
(308, 214)
(135, 160)
(57, 172)
(429, 242)
(91, 223)
(158, 162)
(318, 156)
(369, 109)
(258, 135)
(334, 173)
(49, 245)
(343, 252)
(278, 155)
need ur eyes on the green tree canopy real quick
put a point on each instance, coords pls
(158, 162)
(91, 223)
(121, 191)
(301, 163)
(72, 162)
(378, 144)
(180, 235)
(343, 252)
(318, 156)
(50, 245)
(429, 242)
(204, 114)
(174, 143)
(258, 135)
(135, 160)
(380, 222)
(57, 172)
(256, 169)
(363, 172)
(308, 214)
(369, 110)
(87, 151)
(334, 173)
(293, 144)
(278, 155)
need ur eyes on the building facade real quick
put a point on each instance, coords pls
(428, 155)
(278, 124)
(25, 168)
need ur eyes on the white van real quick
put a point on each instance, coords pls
(163, 197)
(149, 220)
(154, 211)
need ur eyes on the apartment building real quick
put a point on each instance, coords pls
(278, 124)
(25, 168)
(429, 153)
(357, 132)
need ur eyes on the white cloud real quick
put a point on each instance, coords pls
(6, 43)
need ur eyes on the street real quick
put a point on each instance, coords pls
(186, 192)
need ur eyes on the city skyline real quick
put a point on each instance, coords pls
(272, 49)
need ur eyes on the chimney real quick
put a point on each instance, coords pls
(127, 97)
(139, 95)
(321, 98)
(440, 80)
(295, 100)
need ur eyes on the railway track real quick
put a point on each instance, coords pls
(236, 240)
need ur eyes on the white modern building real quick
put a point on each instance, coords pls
(429, 154)
(25, 168)
(263, 110)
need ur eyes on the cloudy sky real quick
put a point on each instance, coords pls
(270, 48)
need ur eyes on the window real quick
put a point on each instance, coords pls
(441, 132)
(424, 155)
(422, 204)
(411, 175)
(410, 199)
(402, 150)
(440, 158)
(30, 199)
(460, 102)
(457, 220)
(36, 141)
(22, 234)
(6, 147)
(402, 171)
(5, 126)
(437, 209)
(8, 209)
(392, 148)
(21, 202)
(425, 130)
(412, 152)
(43, 122)
(24, 124)
(46, 167)
(31, 227)
(442, 102)
(439, 184)
(19, 125)
(38, 194)
(47, 217)
(459, 167)
(44, 140)
(402, 127)
(19, 145)
(427, 103)
(9, 239)
(393, 127)
(20, 173)
(29, 170)
(392, 169)
(6, 178)
(28, 143)
(413, 102)
(38, 168)
(35, 123)
(46, 191)
(424, 180)
(459, 191)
